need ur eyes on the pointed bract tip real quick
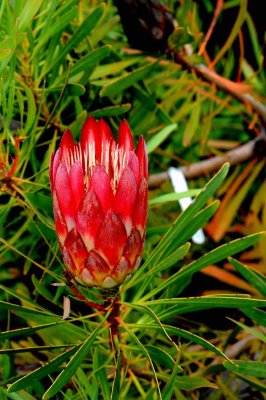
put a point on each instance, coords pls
(141, 153)
(89, 133)
(67, 141)
(105, 130)
(125, 139)
(89, 125)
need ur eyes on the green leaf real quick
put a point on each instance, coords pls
(25, 300)
(4, 306)
(146, 354)
(234, 31)
(170, 386)
(214, 256)
(42, 289)
(192, 124)
(127, 80)
(114, 68)
(159, 137)
(154, 317)
(192, 383)
(255, 332)
(179, 228)
(83, 31)
(165, 198)
(24, 331)
(168, 252)
(30, 9)
(167, 262)
(197, 222)
(37, 202)
(253, 277)
(72, 365)
(99, 371)
(143, 280)
(184, 334)
(11, 247)
(5, 53)
(151, 393)
(149, 103)
(179, 38)
(57, 26)
(254, 39)
(31, 110)
(111, 111)
(80, 380)
(251, 368)
(43, 371)
(195, 339)
(198, 303)
(5, 210)
(161, 357)
(256, 315)
(116, 382)
(86, 63)
(75, 89)
(36, 349)
(21, 395)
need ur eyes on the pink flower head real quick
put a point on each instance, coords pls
(100, 192)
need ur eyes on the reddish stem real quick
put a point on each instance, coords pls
(72, 287)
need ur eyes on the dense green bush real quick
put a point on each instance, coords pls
(191, 324)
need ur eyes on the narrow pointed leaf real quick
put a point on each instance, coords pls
(171, 330)
(162, 357)
(170, 386)
(72, 365)
(210, 302)
(256, 315)
(41, 372)
(255, 332)
(169, 261)
(30, 8)
(25, 331)
(251, 368)
(83, 31)
(251, 276)
(116, 383)
(176, 238)
(169, 197)
(214, 256)
(159, 137)
(147, 355)
(122, 83)
(185, 219)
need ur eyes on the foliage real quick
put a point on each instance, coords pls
(59, 61)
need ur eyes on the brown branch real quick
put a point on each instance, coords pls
(243, 153)
(254, 148)
(217, 11)
(238, 90)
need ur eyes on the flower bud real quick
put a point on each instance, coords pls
(100, 194)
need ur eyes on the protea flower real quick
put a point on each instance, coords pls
(99, 189)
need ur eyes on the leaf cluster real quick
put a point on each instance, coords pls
(59, 61)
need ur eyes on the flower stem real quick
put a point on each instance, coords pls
(113, 303)
(74, 290)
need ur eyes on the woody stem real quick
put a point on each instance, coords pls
(113, 303)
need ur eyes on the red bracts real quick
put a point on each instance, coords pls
(100, 193)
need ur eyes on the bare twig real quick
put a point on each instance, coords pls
(217, 11)
(235, 156)
(237, 90)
